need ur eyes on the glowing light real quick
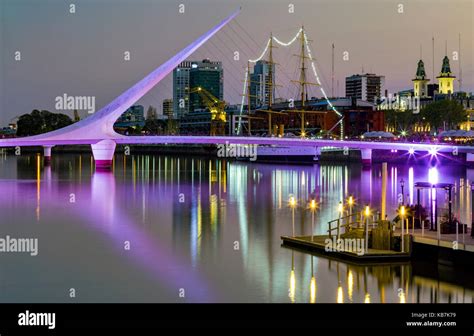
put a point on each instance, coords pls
(350, 285)
(312, 290)
(433, 175)
(340, 207)
(263, 53)
(313, 205)
(433, 151)
(292, 201)
(367, 211)
(411, 151)
(350, 201)
(401, 295)
(292, 286)
(340, 295)
(290, 42)
(367, 298)
(402, 210)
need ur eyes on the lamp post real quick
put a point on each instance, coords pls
(312, 206)
(402, 216)
(350, 202)
(293, 205)
(367, 214)
(402, 185)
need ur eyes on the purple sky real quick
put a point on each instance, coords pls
(82, 53)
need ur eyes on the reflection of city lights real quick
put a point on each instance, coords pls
(340, 295)
(292, 201)
(292, 286)
(433, 175)
(367, 298)
(401, 295)
(350, 285)
(340, 208)
(312, 289)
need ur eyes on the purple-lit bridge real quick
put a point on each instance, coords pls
(97, 130)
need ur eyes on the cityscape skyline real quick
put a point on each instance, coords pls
(98, 68)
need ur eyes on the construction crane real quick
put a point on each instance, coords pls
(216, 108)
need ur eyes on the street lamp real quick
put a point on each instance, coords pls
(402, 185)
(367, 214)
(293, 205)
(350, 202)
(312, 205)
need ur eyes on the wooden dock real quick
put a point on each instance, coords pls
(384, 241)
(317, 244)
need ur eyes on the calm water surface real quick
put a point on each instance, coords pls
(157, 227)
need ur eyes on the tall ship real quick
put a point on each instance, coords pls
(265, 90)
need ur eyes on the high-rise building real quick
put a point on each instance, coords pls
(420, 82)
(260, 84)
(446, 78)
(367, 86)
(181, 89)
(168, 108)
(188, 75)
(208, 75)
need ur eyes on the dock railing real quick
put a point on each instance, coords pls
(348, 222)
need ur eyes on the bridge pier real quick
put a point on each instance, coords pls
(317, 154)
(366, 154)
(103, 152)
(47, 154)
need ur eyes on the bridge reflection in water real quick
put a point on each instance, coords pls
(211, 227)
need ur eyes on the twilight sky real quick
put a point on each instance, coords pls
(82, 54)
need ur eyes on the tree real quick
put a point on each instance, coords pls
(38, 122)
(154, 126)
(400, 120)
(444, 113)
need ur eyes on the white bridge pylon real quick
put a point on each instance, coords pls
(98, 128)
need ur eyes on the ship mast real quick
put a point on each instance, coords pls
(270, 85)
(303, 82)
